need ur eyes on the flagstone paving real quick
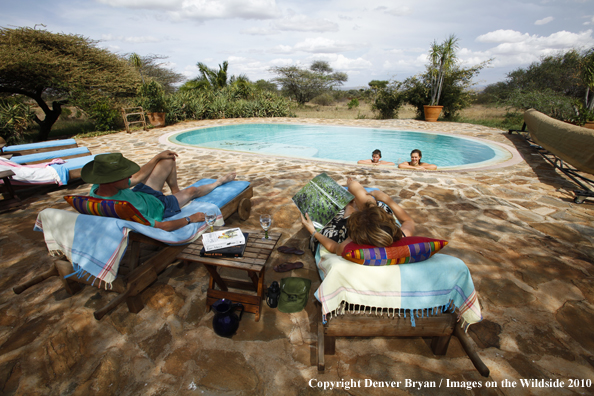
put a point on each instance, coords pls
(529, 248)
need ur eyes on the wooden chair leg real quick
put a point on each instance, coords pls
(35, 280)
(470, 351)
(135, 304)
(439, 345)
(329, 345)
(65, 268)
(244, 209)
(320, 343)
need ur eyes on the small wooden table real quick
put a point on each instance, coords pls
(253, 261)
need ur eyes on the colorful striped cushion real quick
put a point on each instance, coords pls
(106, 207)
(407, 250)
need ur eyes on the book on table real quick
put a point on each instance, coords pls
(231, 251)
(322, 198)
(222, 239)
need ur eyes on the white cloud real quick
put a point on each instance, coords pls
(259, 31)
(502, 36)
(544, 21)
(136, 40)
(204, 9)
(282, 49)
(303, 23)
(323, 45)
(400, 11)
(342, 63)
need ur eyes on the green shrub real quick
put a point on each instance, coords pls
(104, 116)
(546, 101)
(151, 97)
(388, 102)
(15, 119)
(234, 101)
(324, 99)
(353, 103)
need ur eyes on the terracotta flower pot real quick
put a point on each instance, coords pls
(589, 124)
(432, 112)
(156, 119)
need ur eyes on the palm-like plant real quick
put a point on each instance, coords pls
(216, 79)
(136, 61)
(443, 58)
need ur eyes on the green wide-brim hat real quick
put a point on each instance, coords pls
(108, 168)
(294, 294)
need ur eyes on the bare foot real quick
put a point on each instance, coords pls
(227, 178)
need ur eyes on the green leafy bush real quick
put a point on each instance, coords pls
(233, 101)
(151, 97)
(388, 101)
(15, 119)
(104, 115)
(353, 103)
(324, 99)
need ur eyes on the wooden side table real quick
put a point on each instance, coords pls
(253, 262)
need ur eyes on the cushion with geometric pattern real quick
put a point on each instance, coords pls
(106, 207)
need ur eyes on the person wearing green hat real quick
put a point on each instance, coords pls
(112, 175)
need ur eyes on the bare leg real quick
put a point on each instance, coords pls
(164, 171)
(187, 194)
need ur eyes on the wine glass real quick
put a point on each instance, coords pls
(210, 216)
(265, 221)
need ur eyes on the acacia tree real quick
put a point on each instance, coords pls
(306, 84)
(151, 67)
(60, 68)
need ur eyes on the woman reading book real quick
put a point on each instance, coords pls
(367, 220)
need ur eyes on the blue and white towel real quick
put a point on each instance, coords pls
(95, 245)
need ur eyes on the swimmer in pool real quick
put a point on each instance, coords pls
(415, 162)
(376, 159)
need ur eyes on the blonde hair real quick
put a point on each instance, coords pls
(373, 226)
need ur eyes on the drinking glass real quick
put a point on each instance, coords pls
(265, 221)
(210, 217)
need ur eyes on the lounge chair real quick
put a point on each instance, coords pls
(140, 273)
(563, 145)
(32, 148)
(46, 156)
(416, 300)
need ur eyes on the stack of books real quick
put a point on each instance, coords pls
(225, 243)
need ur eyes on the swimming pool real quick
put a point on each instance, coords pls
(346, 144)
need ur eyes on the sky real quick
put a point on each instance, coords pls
(369, 40)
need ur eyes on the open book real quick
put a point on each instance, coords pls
(222, 239)
(322, 198)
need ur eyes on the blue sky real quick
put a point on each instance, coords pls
(368, 40)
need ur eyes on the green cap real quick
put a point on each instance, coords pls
(108, 168)
(293, 294)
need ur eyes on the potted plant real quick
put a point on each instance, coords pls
(443, 58)
(152, 100)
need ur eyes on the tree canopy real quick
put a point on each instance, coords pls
(60, 68)
(213, 79)
(305, 84)
(151, 67)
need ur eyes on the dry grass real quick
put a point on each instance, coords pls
(341, 111)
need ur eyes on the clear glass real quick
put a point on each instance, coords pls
(210, 218)
(265, 222)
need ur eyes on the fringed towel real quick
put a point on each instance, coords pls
(95, 245)
(439, 284)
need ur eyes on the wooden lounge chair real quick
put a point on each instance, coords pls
(140, 272)
(40, 147)
(417, 299)
(440, 327)
(562, 145)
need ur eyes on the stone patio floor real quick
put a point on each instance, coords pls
(529, 248)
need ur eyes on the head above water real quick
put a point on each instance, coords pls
(376, 155)
(373, 226)
(415, 157)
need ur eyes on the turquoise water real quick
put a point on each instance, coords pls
(343, 144)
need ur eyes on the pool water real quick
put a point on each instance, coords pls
(345, 144)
